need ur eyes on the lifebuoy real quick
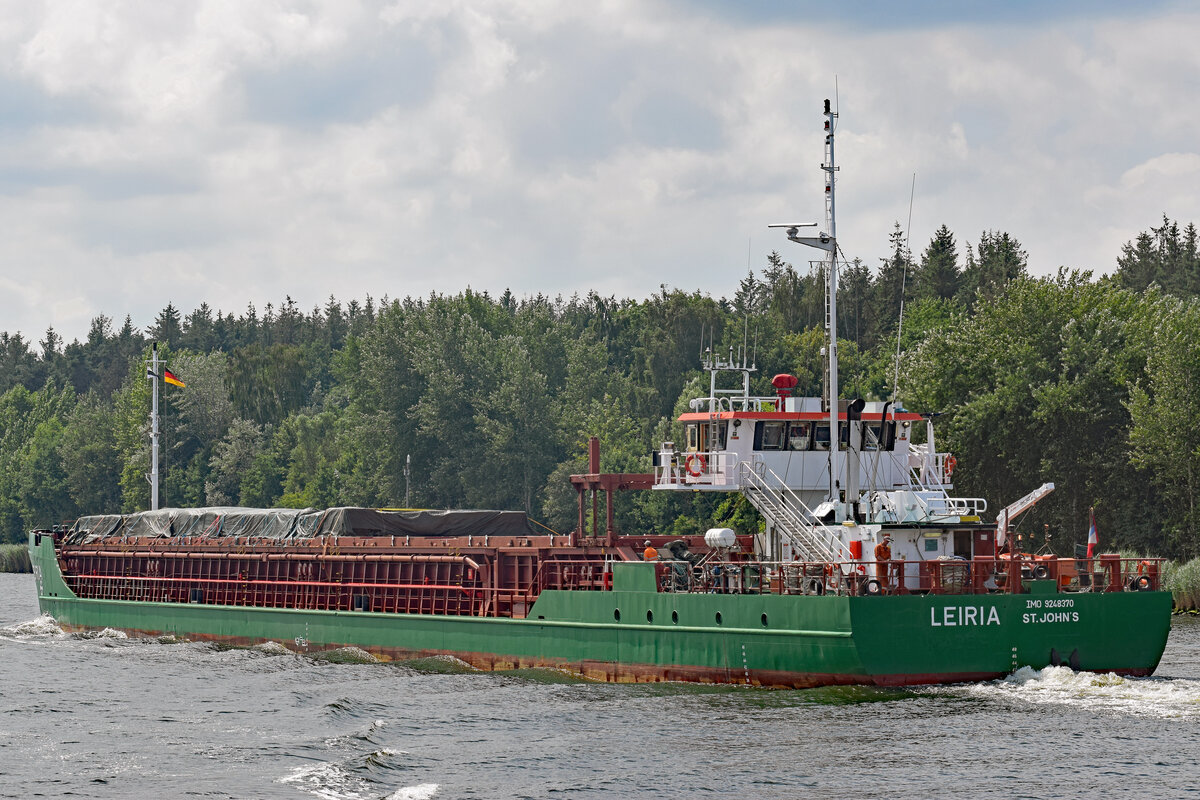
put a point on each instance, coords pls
(951, 463)
(695, 464)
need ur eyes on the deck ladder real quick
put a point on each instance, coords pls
(767, 492)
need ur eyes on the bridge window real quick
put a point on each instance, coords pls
(879, 437)
(704, 436)
(799, 436)
(768, 435)
(722, 435)
(821, 436)
(871, 437)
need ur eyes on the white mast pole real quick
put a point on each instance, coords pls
(835, 439)
(153, 376)
(827, 241)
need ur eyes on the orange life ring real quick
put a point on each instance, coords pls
(696, 465)
(951, 463)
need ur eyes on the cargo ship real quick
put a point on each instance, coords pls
(867, 569)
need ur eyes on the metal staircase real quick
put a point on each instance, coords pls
(791, 517)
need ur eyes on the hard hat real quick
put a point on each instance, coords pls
(647, 543)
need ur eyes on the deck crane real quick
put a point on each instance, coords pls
(1010, 512)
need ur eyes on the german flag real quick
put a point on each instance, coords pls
(169, 377)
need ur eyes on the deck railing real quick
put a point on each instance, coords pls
(929, 470)
(507, 586)
(696, 468)
(1105, 573)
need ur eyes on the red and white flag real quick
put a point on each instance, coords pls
(1093, 539)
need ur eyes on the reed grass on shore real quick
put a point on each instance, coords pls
(14, 558)
(1183, 582)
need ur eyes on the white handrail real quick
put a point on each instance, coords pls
(784, 507)
(696, 468)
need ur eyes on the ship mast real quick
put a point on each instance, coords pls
(826, 241)
(835, 439)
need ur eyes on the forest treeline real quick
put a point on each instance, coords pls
(1093, 383)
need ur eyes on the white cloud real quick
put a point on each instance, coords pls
(234, 152)
(163, 62)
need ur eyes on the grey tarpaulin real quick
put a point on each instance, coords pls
(291, 523)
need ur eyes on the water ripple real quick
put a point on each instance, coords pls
(110, 718)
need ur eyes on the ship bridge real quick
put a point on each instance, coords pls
(778, 452)
(786, 442)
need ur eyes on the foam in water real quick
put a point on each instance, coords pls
(329, 782)
(107, 633)
(422, 791)
(1154, 697)
(39, 627)
(338, 781)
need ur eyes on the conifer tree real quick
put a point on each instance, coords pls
(938, 276)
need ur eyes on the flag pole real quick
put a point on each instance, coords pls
(1093, 535)
(153, 376)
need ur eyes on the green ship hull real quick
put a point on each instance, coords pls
(635, 633)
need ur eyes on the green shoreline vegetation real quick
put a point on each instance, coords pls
(1183, 581)
(15, 558)
(1086, 381)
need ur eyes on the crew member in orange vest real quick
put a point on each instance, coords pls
(650, 554)
(883, 554)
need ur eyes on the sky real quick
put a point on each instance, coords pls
(243, 152)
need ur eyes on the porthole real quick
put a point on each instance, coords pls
(617, 614)
(718, 617)
(675, 617)
(764, 620)
(649, 616)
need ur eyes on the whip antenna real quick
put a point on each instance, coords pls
(903, 282)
